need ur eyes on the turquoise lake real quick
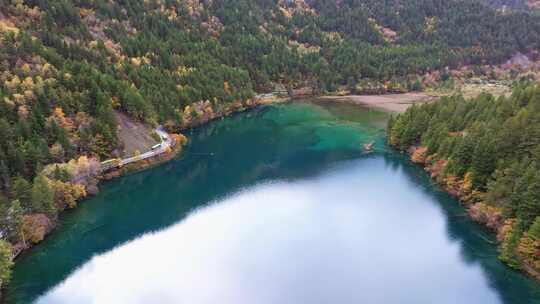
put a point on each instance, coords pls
(275, 205)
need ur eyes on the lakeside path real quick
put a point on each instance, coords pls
(398, 103)
(166, 142)
(164, 146)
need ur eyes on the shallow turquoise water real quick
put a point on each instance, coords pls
(277, 205)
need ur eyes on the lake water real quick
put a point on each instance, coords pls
(276, 205)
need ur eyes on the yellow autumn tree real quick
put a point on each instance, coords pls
(67, 194)
(467, 182)
(61, 120)
(13, 84)
(25, 69)
(28, 83)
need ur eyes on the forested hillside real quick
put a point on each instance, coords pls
(67, 66)
(487, 152)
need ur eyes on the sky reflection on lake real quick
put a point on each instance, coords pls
(361, 232)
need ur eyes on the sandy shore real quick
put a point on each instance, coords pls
(390, 102)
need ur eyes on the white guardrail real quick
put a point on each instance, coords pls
(162, 147)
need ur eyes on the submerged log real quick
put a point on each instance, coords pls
(368, 148)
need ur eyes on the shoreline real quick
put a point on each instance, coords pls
(394, 103)
(481, 213)
(487, 216)
(46, 225)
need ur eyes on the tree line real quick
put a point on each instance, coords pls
(491, 145)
